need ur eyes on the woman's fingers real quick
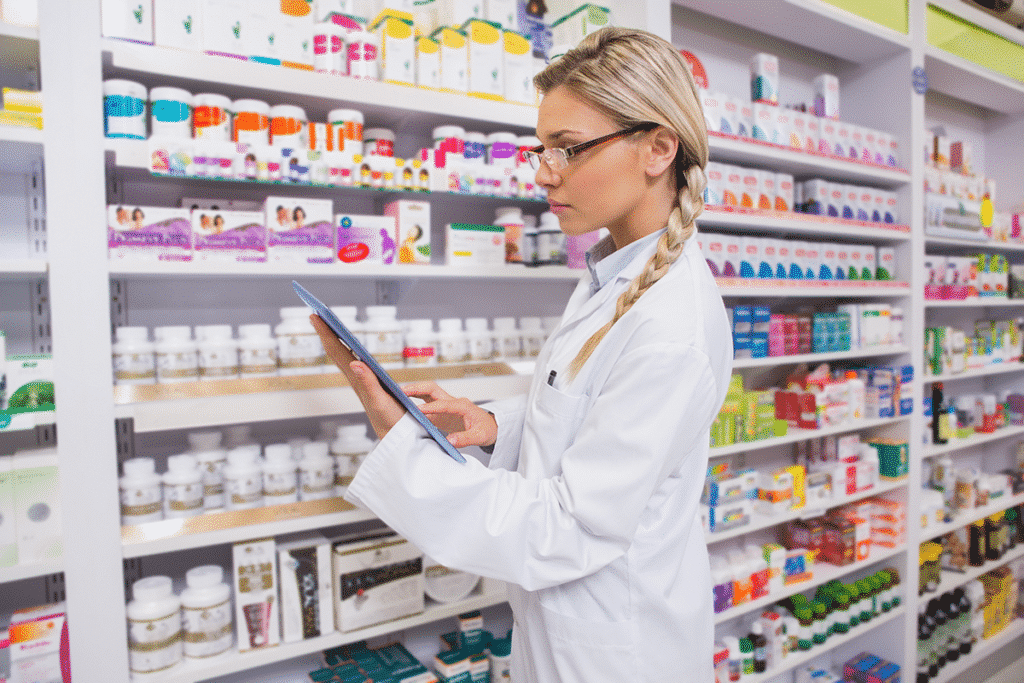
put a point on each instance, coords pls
(466, 423)
(427, 391)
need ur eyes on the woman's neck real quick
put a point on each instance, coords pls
(648, 215)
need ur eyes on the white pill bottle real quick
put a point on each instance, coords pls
(206, 612)
(154, 626)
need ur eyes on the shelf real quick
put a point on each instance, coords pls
(971, 516)
(193, 671)
(23, 267)
(772, 361)
(981, 650)
(813, 24)
(951, 580)
(190, 405)
(994, 369)
(795, 435)
(749, 286)
(833, 642)
(216, 528)
(823, 573)
(779, 223)
(29, 571)
(974, 244)
(979, 302)
(729, 148)
(22, 32)
(21, 134)
(979, 18)
(383, 104)
(766, 522)
(957, 77)
(976, 439)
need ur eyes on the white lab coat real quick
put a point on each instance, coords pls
(589, 508)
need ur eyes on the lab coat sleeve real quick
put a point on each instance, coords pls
(509, 414)
(652, 411)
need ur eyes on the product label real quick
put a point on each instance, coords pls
(136, 502)
(169, 239)
(207, 630)
(278, 483)
(134, 366)
(181, 365)
(317, 480)
(258, 362)
(183, 497)
(154, 644)
(217, 363)
(246, 242)
(300, 351)
(304, 565)
(453, 350)
(386, 346)
(245, 491)
(312, 243)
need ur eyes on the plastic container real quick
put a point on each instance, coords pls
(257, 351)
(550, 241)
(183, 487)
(288, 126)
(452, 342)
(420, 350)
(384, 338)
(443, 584)
(316, 472)
(508, 341)
(450, 139)
(329, 49)
(348, 130)
(243, 479)
(211, 464)
(170, 113)
(511, 218)
(134, 358)
(124, 109)
(206, 612)
(349, 449)
(299, 351)
(475, 148)
(502, 149)
(250, 122)
(154, 626)
(480, 340)
(379, 142)
(533, 336)
(218, 352)
(362, 49)
(211, 117)
(141, 492)
(177, 358)
(280, 475)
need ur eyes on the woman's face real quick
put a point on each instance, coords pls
(601, 185)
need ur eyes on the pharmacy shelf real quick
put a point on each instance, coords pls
(29, 571)
(957, 77)
(970, 516)
(821, 573)
(190, 405)
(766, 522)
(780, 223)
(21, 32)
(976, 439)
(154, 269)
(216, 528)
(192, 671)
(772, 361)
(951, 580)
(732, 149)
(979, 18)
(21, 134)
(977, 302)
(383, 104)
(813, 24)
(834, 641)
(994, 369)
(981, 650)
(22, 267)
(770, 287)
(974, 244)
(796, 435)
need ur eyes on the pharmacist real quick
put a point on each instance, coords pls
(589, 508)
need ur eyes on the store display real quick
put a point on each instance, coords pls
(35, 647)
(952, 351)
(207, 627)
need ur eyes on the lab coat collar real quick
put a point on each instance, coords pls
(605, 262)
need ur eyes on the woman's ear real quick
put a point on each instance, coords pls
(662, 148)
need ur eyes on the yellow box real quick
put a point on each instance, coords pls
(799, 485)
(428, 63)
(20, 119)
(23, 101)
(454, 58)
(518, 68)
(394, 29)
(486, 59)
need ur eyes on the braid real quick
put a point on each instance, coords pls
(681, 226)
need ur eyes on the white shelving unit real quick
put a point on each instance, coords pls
(794, 435)
(28, 571)
(814, 358)
(987, 371)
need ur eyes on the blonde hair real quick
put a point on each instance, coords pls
(632, 77)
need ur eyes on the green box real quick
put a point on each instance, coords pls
(889, 13)
(893, 458)
(960, 37)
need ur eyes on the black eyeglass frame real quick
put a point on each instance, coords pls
(570, 152)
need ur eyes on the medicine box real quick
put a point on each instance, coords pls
(580, 23)
(412, 229)
(518, 68)
(730, 115)
(228, 28)
(503, 13)
(178, 24)
(8, 534)
(365, 239)
(34, 649)
(377, 577)
(783, 127)
(257, 608)
(37, 506)
(474, 245)
(784, 192)
(307, 604)
(750, 187)
(826, 96)
(733, 185)
(148, 233)
(234, 236)
(714, 110)
(714, 193)
(128, 19)
(428, 63)
(764, 79)
(765, 128)
(827, 132)
(486, 59)
(397, 57)
(299, 230)
(454, 58)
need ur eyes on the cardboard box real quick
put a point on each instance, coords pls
(8, 532)
(128, 19)
(377, 578)
(299, 230)
(454, 59)
(580, 23)
(257, 608)
(37, 506)
(228, 28)
(517, 68)
(148, 233)
(486, 59)
(365, 239)
(307, 604)
(428, 63)
(232, 236)
(412, 223)
(394, 30)
(475, 245)
(178, 24)
(35, 651)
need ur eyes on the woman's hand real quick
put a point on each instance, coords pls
(383, 410)
(464, 422)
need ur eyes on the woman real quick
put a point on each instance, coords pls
(589, 507)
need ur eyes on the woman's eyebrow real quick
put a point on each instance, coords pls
(558, 135)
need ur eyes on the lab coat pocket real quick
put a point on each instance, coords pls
(589, 650)
(551, 422)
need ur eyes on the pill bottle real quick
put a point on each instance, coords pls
(243, 479)
(452, 343)
(508, 341)
(218, 352)
(348, 450)
(257, 351)
(250, 122)
(316, 472)
(207, 617)
(348, 130)
(533, 336)
(329, 49)
(297, 444)
(384, 336)
(499, 653)
(280, 475)
(238, 435)
(378, 142)
(211, 465)
(183, 487)
(420, 350)
(124, 109)
(170, 113)
(177, 359)
(141, 493)
(550, 240)
(154, 626)
(361, 50)
(511, 218)
(134, 360)
(480, 339)
(288, 126)
(211, 118)
(475, 148)
(451, 140)
(299, 351)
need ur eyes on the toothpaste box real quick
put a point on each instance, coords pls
(148, 233)
(229, 236)
(299, 230)
(826, 96)
(365, 239)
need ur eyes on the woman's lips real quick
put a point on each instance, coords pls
(557, 208)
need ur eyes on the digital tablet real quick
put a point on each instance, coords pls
(360, 352)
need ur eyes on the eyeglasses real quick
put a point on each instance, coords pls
(557, 158)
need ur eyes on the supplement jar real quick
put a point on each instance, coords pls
(316, 472)
(251, 123)
(502, 149)
(211, 117)
(420, 344)
(348, 450)
(280, 475)
(140, 492)
(206, 612)
(476, 148)
(154, 626)
(299, 350)
(480, 339)
(348, 127)
(288, 126)
(384, 336)
(257, 351)
(134, 361)
(183, 487)
(243, 479)
(170, 113)
(452, 343)
(177, 359)
(362, 49)
(378, 142)
(507, 339)
(124, 109)
(450, 139)
(218, 352)
(329, 49)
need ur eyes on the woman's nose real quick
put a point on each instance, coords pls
(546, 177)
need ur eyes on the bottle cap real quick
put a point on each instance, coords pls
(315, 450)
(182, 463)
(278, 452)
(139, 467)
(152, 588)
(205, 441)
(204, 576)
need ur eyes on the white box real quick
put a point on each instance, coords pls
(128, 19)
(299, 230)
(784, 192)
(730, 114)
(764, 79)
(766, 191)
(502, 12)
(827, 133)
(148, 233)
(365, 239)
(836, 195)
(865, 203)
(412, 227)
(397, 57)
(714, 253)
(377, 578)
(474, 245)
(733, 185)
(714, 110)
(454, 58)
(178, 24)
(428, 63)
(257, 607)
(35, 649)
(733, 245)
(486, 58)
(37, 506)
(826, 96)
(816, 197)
(783, 127)
(232, 236)
(307, 601)
(765, 128)
(8, 533)
(714, 193)
(518, 68)
(228, 26)
(750, 256)
(296, 35)
(580, 23)
(457, 12)
(750, 189)
(851, 196)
